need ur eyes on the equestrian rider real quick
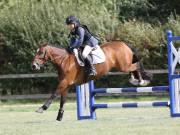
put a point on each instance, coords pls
(80, 36)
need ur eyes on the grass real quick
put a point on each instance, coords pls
(20, 119)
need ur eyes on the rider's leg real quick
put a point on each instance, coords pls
(86, 51)
(77, 57)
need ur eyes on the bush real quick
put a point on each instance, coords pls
(25, 23)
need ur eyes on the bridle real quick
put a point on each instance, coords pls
(44, 55)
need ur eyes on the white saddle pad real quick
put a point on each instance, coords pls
(97, 56)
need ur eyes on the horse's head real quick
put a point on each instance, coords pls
(42, 55)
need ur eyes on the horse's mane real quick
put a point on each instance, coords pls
(53, 45)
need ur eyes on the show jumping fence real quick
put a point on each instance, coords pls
(86, 104)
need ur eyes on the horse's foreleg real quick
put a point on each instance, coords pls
(61, 109)
(47, 103)
(62, 87)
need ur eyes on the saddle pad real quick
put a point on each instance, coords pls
(96, 55)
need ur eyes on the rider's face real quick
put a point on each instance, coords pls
(71, 26)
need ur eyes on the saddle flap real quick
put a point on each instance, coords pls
(97, 56)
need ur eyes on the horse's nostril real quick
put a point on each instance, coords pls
(33, 67)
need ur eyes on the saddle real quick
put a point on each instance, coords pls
(96, 56)
(80, 54)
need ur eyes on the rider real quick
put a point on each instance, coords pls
(80, 36)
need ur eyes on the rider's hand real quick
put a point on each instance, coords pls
(69, 49)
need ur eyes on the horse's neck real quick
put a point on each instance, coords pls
(58, 55)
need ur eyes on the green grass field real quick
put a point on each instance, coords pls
(21, 119)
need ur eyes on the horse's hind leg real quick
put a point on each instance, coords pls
(140, 75)
(133, 67)
(136, 77)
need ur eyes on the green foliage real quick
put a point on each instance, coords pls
(147, 10)
(26, 23)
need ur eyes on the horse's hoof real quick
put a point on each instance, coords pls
(134, 81)
(59, 119)
(40, 110)
(144, 82)
(60, 115)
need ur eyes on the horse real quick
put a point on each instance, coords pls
(118, 55)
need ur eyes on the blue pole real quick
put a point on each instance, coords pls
(170, 72)
(91, 99)
(78, 102)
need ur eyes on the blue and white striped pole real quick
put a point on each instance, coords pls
(131, 104)
(131, 89)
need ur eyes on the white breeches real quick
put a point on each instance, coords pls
(86, 51)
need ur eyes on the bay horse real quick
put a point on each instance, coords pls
(118, 55)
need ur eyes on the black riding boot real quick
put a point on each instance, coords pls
(91, 68)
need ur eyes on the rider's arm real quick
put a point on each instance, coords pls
(78, 41)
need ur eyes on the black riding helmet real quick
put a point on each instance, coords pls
(72, 20)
